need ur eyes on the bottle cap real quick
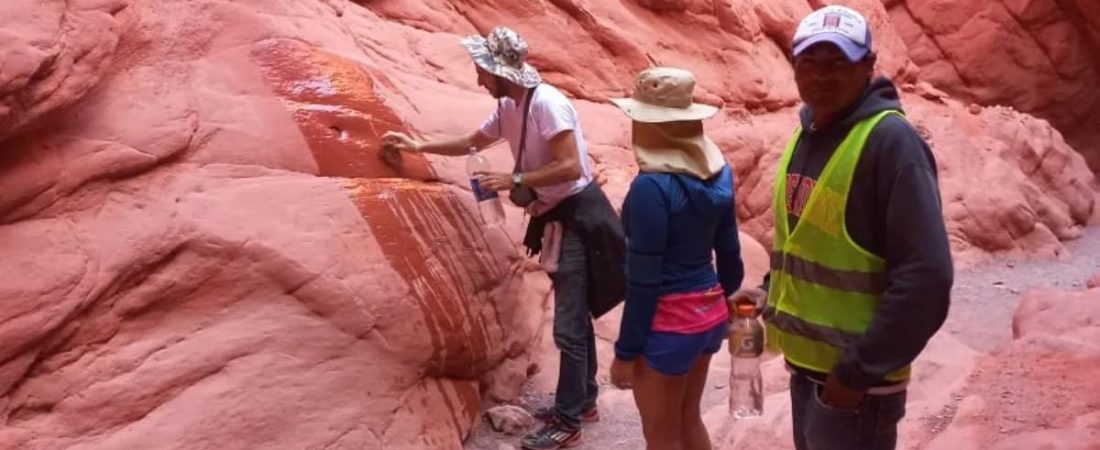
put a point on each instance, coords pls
(745, 309)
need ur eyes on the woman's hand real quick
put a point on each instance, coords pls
(622, 373)
(753, 296)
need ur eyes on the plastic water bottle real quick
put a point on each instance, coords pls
(746, 344)
(488, 202)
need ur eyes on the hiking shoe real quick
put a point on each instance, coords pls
(590, 414)
(553, 436)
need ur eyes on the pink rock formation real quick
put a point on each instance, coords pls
(183, 272)
(214, 312)
(1094, 282)
(1039, 392)
(202, 250)
(1039, 56)
(1013, 186)
(54, 53)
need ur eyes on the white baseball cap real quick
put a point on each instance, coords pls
(838, 25)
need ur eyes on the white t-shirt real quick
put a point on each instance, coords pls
(551, 113)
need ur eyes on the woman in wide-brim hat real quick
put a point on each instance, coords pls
(678, 212)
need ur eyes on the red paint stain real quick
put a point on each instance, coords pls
(436, 245)
(465, 405)
(428, 237)
(336, 105)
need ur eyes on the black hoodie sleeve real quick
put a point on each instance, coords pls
(918, 258)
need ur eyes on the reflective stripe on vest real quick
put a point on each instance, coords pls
(845, 280)
(824, 287)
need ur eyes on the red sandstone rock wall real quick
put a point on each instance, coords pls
(1038, 56)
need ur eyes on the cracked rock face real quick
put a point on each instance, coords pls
(1038, 56)
(203, 251)
(54, 51)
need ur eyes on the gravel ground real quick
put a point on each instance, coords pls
(984, 299)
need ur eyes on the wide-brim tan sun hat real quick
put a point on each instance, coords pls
(503, 53)
(676, 147)
(664, 94)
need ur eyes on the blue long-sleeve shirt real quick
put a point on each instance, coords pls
(674, 223)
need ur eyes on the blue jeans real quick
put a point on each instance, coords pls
(573, 332)
(871, 426)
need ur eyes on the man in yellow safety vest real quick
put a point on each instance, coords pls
(861, 269)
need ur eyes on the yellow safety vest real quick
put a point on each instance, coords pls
(824, 287)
